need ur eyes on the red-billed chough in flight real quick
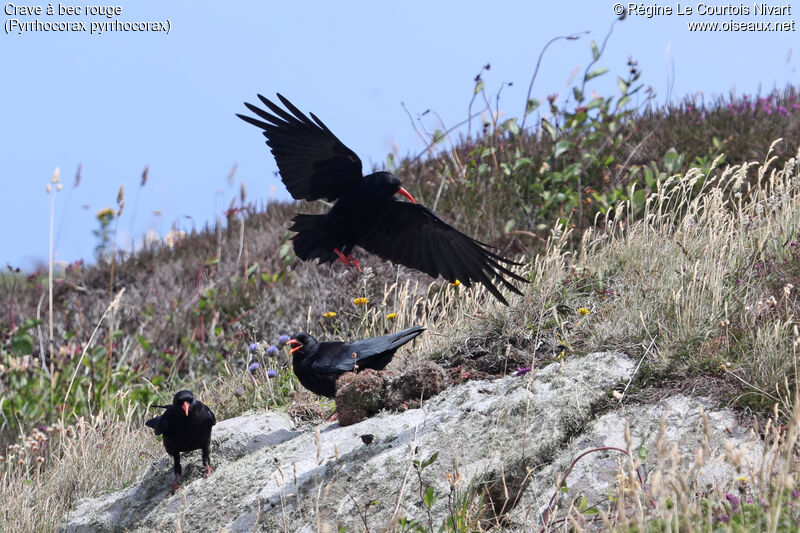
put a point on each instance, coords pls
(319, 364)
(314, 164)
(186, 426)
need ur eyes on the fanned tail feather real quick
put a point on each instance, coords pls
(312, 240)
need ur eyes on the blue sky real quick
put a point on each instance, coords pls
(117, 102)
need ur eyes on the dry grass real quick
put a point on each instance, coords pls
(762, 497)
(43, 477)
(678, 288)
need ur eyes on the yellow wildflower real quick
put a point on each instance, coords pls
(391, 316)
(583, 311)
(105, 213)
(562, 354)
(329, 314)
(361, 301)
(456, 283)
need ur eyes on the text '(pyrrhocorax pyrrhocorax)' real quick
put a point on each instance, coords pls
(186, 426)
(314, 164)
(319, 364)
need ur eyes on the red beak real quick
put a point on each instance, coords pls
(295, 344)
(406, 194)
(185, 408)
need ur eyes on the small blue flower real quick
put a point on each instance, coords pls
(253, 367)
(254, 347)
(272, 373)
(283, 339)
(272, 350)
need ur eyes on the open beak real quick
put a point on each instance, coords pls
(406, 194)
(295, 344)
(185, 408)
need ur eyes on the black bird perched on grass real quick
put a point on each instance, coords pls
(314, 164)
(319, 364)
(186, 426)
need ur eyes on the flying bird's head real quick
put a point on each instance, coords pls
(386, 183)
(302, 345)
(183, 399)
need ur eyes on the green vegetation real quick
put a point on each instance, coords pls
(643, 228)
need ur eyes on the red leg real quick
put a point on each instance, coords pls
(175, 484)
(355, 262)
(208, 470)
(348, 259)
(342, 257)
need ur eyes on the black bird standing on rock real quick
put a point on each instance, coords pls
(319, 364)
(186, 426)
(314, 164)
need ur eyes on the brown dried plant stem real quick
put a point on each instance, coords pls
(111, 307)
(55, 182)
(546, 517)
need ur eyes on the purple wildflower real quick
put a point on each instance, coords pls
(283, 339)
(521, 371)
(795, 494)
(734, 501)
(254, 347)
(253, 367)
(272, 373)
(272, 350)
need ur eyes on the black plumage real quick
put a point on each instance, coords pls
(314, 164)
(319, 364)
(186, 426)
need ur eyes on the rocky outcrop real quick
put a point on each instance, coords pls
(493, 448)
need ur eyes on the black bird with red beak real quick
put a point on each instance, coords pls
(186, 426)
(314, 164)
(319, 364)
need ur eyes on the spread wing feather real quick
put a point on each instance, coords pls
(313, 162)
(414, 236)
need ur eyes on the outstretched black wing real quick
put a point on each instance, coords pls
(414, 236)
(313, 163)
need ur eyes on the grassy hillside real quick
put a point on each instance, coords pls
(669, 233)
